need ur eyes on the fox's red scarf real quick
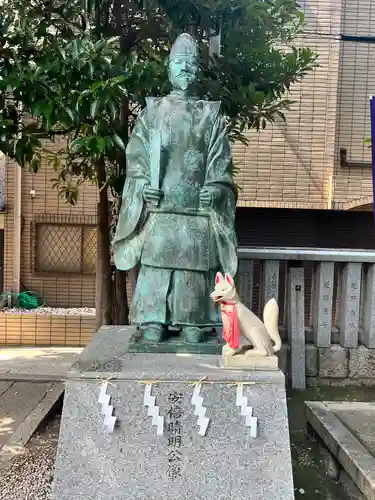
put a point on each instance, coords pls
(231, 333)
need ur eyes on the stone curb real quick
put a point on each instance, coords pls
(32, 377)
(17, 442)
(350, 453)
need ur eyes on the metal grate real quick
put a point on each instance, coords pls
(89, 250)
(65, 248)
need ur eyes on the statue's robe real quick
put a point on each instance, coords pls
(179, 146)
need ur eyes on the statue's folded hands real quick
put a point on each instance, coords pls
(208, 196)
(152, 195)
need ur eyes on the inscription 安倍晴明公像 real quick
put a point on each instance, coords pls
(174, 428)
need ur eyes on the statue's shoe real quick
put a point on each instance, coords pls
(154, 333)
(192, 335)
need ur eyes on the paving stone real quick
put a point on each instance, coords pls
(16, 404)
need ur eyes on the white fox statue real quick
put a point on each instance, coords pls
(241, 327)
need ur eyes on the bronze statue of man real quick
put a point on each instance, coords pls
(178, 206)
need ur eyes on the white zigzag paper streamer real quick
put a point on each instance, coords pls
(247, 412)
(200, 410)
(153, 410)
(107, 409)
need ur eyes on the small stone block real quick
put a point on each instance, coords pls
(361, 363)
(243, 362)
(333, 362)
(311, 360)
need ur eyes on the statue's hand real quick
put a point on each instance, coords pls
(152, 196)
(208, 196)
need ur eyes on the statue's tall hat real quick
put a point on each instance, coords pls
(185, 45)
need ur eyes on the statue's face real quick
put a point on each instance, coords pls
(183, 71)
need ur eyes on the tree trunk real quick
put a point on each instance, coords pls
(121, 316)
(120, 298)
(111, 294)
(121, 305)
(104, 289)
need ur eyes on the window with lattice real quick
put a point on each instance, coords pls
(65, 248)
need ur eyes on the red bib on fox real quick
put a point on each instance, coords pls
(231, 333)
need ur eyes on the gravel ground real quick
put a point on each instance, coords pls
(29, 476)
(71, 311)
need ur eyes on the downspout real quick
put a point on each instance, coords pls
(2, 182)
(330, 192)
(17, 223)
(17, 231)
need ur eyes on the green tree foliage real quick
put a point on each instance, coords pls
(70, 69)
(81, 69)
(59, 71)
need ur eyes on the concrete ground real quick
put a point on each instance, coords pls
(347, 430)
(37, 363)
(31, 383)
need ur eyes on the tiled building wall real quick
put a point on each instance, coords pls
(62, 290)
(297, 164)
(291, 164)
(356, 85)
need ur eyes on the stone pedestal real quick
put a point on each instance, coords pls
(184, 428)
(250, 363)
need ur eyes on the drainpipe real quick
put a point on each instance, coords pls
(330, 192)
(17, 224)
(17, 231)
(2, 181)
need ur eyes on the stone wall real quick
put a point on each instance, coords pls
(335, 365)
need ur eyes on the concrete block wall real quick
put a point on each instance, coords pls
(334, 365)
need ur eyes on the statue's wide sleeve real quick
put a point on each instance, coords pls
(129, 237)
(219, 166)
